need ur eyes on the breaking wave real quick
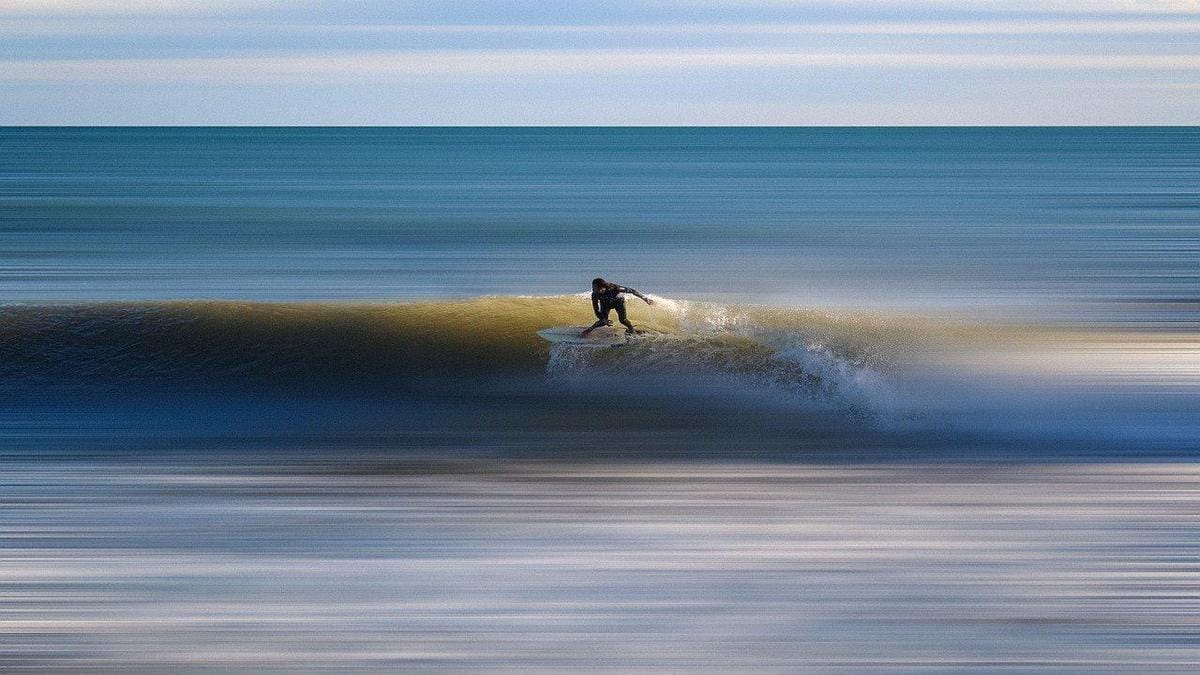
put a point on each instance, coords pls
(770, 353)
(893, 372)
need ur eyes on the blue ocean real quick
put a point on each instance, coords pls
(1063, 223)
(907, 397)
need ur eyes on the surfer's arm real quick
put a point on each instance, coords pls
(633, 291)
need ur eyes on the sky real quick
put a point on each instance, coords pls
(600, 62)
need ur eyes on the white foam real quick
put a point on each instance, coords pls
(701, 358)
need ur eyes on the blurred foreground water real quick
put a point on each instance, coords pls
(326, 563)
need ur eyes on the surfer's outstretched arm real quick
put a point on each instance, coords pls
(634, 291)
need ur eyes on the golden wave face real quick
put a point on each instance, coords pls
(488, 334)
(885, 370)
(774, 353)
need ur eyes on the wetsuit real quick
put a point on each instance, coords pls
(609, 299)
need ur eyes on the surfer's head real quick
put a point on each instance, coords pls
(599, 284)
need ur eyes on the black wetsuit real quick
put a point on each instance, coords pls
(609, 299)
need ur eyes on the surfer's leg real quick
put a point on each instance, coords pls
(602, 321)
(621, 316)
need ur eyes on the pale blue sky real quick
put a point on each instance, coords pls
(600, 62)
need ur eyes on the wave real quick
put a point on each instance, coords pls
(894, 372)
(204, 341)
(768, 356)
(270, 342)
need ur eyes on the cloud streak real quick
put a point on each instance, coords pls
(1026, 27)
(1055, 6)
(77, 8)
(279, 10)
(490, 63)
(891, 59)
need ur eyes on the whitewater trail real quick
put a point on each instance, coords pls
(712, 348)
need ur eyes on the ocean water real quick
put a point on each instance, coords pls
(1092, 223)
(910, 399)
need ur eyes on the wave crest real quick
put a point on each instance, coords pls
(736, 352)
(774, 355)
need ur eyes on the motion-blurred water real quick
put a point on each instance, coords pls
(1093, 223)
(169, 566)
(911, 399)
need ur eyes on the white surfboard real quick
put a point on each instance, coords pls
(604, 336)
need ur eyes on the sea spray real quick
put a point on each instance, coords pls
(722, 350)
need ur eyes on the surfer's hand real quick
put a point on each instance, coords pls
(648, 301)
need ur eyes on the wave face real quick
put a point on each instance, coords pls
(772, 356)
(348, 345)
(878, 371)
(273, 343)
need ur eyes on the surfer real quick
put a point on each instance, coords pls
(606, 296)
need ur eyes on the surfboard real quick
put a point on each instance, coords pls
(604, 336)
